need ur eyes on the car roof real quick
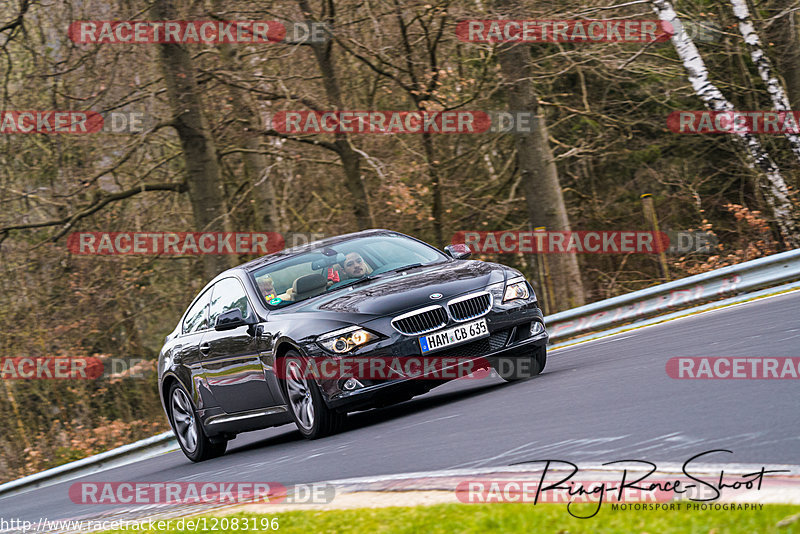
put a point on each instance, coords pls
(288, 252)
(242, 271)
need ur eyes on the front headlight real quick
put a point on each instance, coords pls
(516, 289)
(345, 340)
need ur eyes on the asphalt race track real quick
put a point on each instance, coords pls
(601, 401)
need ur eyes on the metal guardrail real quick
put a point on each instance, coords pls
(686, 292)
(126, 454)
(713, 285)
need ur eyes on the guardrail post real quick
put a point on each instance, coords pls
(548, 298)
(650, 217)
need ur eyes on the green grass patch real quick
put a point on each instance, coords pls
(482, 518)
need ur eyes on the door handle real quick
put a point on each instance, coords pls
(205, 348)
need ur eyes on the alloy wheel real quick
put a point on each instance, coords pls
(183, 417)
(299, 395)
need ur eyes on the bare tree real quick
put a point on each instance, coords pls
(775, 89)
(543, 195)
(772, 183)
(351, 159)
(199, 150)
(782, 32)
(256, 166)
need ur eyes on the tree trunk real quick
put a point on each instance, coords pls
(771, 182)
(199, 150)
(543, 195)
(256, 166)
(780, 102)
(782, 33)
(436, 187)
(351, 160)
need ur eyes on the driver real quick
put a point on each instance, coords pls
(355, 266)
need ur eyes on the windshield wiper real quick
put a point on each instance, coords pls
(414, 265)
(404, 267)
(358, 281)
(375, 276)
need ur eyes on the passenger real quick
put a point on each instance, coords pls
(267, 287)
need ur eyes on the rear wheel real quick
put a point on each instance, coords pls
(520, 367)
(311, 415)
(192, 439)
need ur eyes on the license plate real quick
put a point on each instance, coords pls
(454, 336)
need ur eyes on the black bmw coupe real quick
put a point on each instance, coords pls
(368, 319)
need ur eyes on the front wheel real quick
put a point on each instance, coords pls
(530, 364)
(192, 439)
(311, 415)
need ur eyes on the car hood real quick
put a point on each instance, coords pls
(397, 292)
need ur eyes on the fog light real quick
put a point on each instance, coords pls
(536, 328)
(351, 384)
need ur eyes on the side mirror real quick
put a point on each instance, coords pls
(229, 320)
(458, 252)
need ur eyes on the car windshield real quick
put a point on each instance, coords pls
(333, 267)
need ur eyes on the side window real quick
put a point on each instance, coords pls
(196, 317)
(226, 295)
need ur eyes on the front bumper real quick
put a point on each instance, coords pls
(510, 336)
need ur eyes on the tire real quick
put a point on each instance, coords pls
(311, 415)
(528, 365)
(191, 437)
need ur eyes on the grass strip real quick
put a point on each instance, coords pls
(483, 518)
